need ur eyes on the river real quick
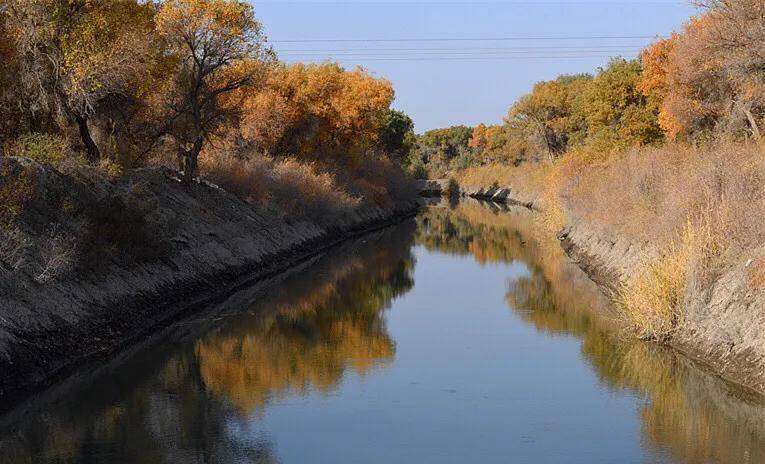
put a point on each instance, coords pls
(460, 336)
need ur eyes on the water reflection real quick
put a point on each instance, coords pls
(213, 388)
(311, 339)
(188, 399)
(689, 414)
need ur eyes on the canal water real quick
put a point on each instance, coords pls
(461, 336)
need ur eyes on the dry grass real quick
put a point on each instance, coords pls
(527, 177)
(701, 209)
(377, 180)
(531, 180)
(299, 189)
(652, 194)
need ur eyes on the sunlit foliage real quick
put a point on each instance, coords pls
(213, 41)
(316, 112)
(616, 113)
(549, 119)
(79, 58)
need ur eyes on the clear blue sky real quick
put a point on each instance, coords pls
(434, 82)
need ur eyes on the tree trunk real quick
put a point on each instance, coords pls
(753, 124)
(191, 157)
(91, 149)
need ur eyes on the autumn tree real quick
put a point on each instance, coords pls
(214, 42)
(698, 92)
(9, 102)
(616, 112)
(654, 82)
(78, 56)
(316, 112)
(550, 114)
(498, 143)
(738, 40)
(716, 71)
(448, 142)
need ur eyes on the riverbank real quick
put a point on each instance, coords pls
(94, 266)
(721, 322)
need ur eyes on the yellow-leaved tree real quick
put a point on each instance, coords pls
(316, 112)
(77, 57)
(215, 43)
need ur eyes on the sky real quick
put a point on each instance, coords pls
(441, 78)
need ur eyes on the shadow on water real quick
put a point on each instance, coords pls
(190, 393)
(689, 413)
(188, 398)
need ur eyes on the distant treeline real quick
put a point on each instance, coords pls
(664, 151)
(703, 82)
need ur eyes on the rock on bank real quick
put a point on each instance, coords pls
(87, 266)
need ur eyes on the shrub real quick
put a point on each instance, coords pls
(43, 148)
(17, 185)
(57, 254)
(299, 189)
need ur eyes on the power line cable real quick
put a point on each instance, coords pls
(467, 39)
(456, 53)
(530, 48)
(487, 58)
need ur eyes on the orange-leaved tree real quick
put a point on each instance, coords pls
(214, 43)
(316, 112)
(654, 84)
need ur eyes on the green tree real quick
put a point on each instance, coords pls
(396, 135)
(616, 111)
(550, 118)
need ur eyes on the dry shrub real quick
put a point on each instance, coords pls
(41, 147)
(538, 180)
(756, 274)
(56, 253)
(17, 185)
(299, 189)
(701, 210)
(650, 194)
(377, 180)
(303, 189)
(248, 179)
(653, 299)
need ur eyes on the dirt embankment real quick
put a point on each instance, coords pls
(88, 266)
(722, 325)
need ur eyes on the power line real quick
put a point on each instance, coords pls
(467, 39)
(438, 54)
(526, 48)
(488, 58)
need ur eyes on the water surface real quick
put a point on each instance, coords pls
(458, 337)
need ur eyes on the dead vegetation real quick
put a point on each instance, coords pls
(700, 209)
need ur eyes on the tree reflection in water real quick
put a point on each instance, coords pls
(311, 339)
(689, 413)
(190, 398)
(196, 395)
